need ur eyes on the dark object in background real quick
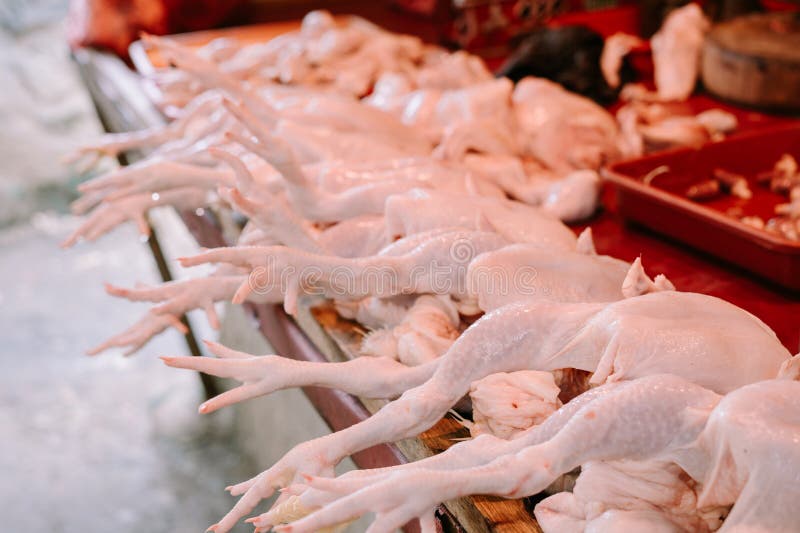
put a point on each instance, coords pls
(654, 12)
(569, 55)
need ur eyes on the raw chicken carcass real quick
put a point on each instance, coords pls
(492, 281)
(476, 268)
(735, 448)
(479, 269)
(561, 129)
(700, 337)
(431, 111)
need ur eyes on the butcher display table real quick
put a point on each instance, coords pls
(318, 334)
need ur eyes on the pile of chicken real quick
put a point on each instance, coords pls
(431, 213)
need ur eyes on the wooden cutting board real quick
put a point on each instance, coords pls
(755, 60)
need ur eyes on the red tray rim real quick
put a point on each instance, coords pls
(698, 210)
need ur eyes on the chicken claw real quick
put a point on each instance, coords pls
(137, 335)
(109, 215)
(203, 70)
(112, 213)
(149, 177)
(261, 375)
(388, 499)
(113, 144)
(309, 457)
(179, 297)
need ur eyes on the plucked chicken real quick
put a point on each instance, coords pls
(659, 429)
(698, 337)
(437, 199)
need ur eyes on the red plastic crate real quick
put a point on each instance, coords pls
(662, 206)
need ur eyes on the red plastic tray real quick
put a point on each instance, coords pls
(662, 206)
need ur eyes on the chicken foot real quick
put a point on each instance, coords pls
(262, 375)
(112, 213)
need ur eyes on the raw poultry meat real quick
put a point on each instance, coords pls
(482, 281)
(647, 127)
(570, 198)
(734, 448)
(526, 272)
(341, 57)
(294, 272)
(432, 110)
(478, 269)
(414, 271)
(562, 130)
(420, 210)
(507, 403)
(377, 196)
(455, 184)
(427, 330)
(322, 127)
(676, 52)
(629, 494)
(537, 119)
(616, 47)
(322, 48)
(312, 113)
(443, 70)
(698, 337)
